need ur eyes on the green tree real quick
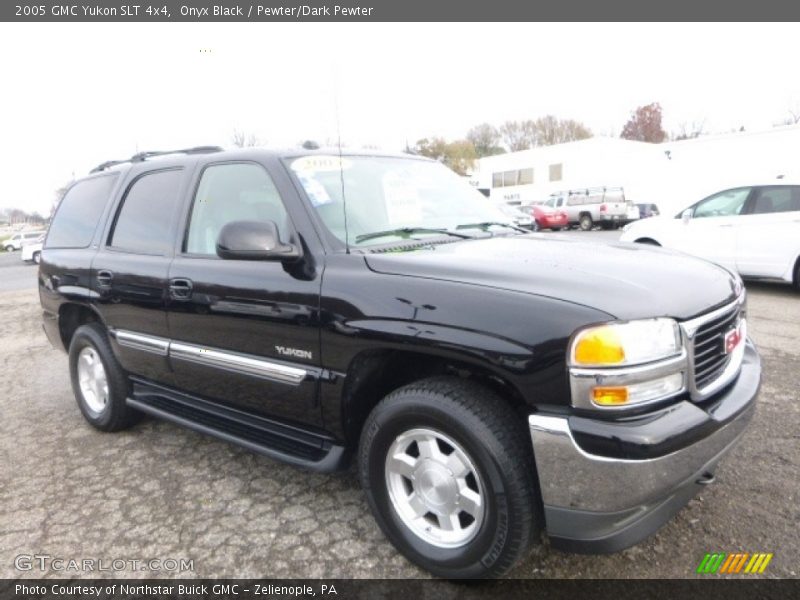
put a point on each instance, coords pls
(459, 155)
(486, 140)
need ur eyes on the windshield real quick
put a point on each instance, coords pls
(387, 194)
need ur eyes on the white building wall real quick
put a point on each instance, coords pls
(672, 175)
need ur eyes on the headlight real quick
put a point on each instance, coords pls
(632, 343)
(618, 365)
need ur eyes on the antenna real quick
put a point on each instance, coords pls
(339, 146)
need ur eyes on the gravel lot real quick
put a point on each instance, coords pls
(158, 491)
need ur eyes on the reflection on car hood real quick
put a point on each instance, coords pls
(627, 281)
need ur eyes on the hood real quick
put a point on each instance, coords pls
(626, 281)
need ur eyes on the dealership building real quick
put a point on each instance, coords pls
(672, 174)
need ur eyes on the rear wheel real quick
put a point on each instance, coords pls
(98, 381)
(585, 222)
(535, 226)
(449, 476)
(37, 257)
(797, 275)
(9, 248)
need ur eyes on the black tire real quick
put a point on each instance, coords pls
(37, 257)
(9, 248)
(797, 275)
(495, 440)
(585, 222)
(535, 226)
(115, 415)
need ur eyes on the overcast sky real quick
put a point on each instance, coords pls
(74, 95)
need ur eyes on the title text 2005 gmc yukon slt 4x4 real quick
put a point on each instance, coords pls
(491, 384)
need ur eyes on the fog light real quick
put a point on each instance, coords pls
(635, 393)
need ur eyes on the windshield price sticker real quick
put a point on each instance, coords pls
(321, 163)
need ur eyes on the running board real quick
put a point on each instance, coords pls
(288, 444)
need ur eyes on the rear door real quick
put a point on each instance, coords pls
(768, 233)
(245, 333)
(129, 271)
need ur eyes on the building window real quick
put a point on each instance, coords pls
(497, 180)
(525, 176)
(510, 178)
(555, 172)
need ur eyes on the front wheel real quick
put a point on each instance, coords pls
(9, 248)
(535, 226)
(449, 476)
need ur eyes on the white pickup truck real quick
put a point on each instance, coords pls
(588, 207)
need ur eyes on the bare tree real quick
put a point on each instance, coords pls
(485, 139)
(689, 131)
(551, 130)
(241, 139)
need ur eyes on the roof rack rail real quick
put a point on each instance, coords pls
(142, 156)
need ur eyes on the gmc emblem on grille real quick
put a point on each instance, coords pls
(732, 339)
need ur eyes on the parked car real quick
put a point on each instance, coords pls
(545, 217)
(647, 210)
(589, 207)
(16, 241)
(752, 230)
(32, 250)
(318, 308)
(517, 215)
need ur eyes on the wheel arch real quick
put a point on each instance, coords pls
(375, 373)
(72, 315)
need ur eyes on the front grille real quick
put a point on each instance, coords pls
(710, 358)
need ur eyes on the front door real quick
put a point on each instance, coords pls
(710, 233)
(244, 333)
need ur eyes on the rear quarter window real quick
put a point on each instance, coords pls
(79, 212)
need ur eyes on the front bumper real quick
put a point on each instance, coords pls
(601, 503)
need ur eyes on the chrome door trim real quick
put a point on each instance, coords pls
(238, 363)
(245, 364)
(140, 341)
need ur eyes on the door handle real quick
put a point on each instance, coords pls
(180, 288)
(104, 278)
(727, 225)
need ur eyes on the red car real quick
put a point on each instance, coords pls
(545, 217)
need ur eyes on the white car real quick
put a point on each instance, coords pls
(751, 230)
(517, 215)
(16, 241)
(32, 251)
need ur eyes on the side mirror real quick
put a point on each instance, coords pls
(687, 215)
(254, 240)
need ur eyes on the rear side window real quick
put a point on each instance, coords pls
(776, 199)
(79, 212)
(144, 219)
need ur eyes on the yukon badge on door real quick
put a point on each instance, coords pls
(295, 352)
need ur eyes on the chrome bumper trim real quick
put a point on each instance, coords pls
(571, 478)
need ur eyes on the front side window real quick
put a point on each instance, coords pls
(389, 193)
(79, 212)
(725, 204)
(776, 199)
(144, 219)
(232, 192)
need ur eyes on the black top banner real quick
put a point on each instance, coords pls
(399, 10)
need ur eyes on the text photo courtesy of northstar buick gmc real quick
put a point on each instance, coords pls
(492, 384)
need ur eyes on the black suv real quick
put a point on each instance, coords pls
(492, 384)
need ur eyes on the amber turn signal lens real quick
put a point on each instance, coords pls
(610, 396)
(601, 346)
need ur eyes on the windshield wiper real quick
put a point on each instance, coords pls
(407, 232)
(485, 225)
